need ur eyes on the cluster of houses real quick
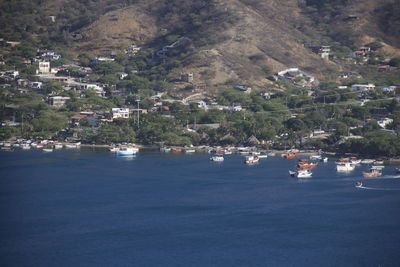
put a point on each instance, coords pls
(297, 77)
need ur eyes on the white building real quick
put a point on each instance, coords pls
(384, 122)
(44, 67)
(120, 113)
(363, 87)
(59, 101)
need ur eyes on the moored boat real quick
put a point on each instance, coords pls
(374, 171)
(289, 155)
(217, 158)
(301, 173)
(127, 151)
(176, 150)
(367, 161)
(58, 146)
(344, 166)
(25, 146)
(190, 150)
(251, 159)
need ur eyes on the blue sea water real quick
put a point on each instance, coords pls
(92, 208)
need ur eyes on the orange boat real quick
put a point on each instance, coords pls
(375, 171)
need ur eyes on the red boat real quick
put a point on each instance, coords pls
(176, 150)
(290, 155)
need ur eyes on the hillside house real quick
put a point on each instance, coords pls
(23, 82)
(296, 76)
(187, 77)
(59, 101)
(122, 75)
(322, 50)
(120, 113)
(36, 85)
(363, 87)
(384, 122)
(43, 67)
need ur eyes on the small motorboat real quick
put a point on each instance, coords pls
(189, 150)
(398, 170)
(217, 158)
(359, 184)
(301, 173)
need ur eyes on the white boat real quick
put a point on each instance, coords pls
(345, 166)
(73, 145)
(228, 152)
(25, 146)
(190, 150)
(217, 158)
(367, 161)
(251, 159)
(263, 155)
(58, 146)
(324, 159)
(316, 157)
(271, 154)
(355, 161)
(127, 151)
(301, 173)
(47, 150)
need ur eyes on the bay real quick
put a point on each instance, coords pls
(88, 207)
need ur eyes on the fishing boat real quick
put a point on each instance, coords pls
(217, 158)
(127, 151)
(374, 171)
(251, 159)
(342, 166)
(301, 173)
(305, 164)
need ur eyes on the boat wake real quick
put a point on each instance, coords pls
(380, 189)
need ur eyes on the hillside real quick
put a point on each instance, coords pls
(235, 41)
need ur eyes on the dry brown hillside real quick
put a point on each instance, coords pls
(240, 40)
